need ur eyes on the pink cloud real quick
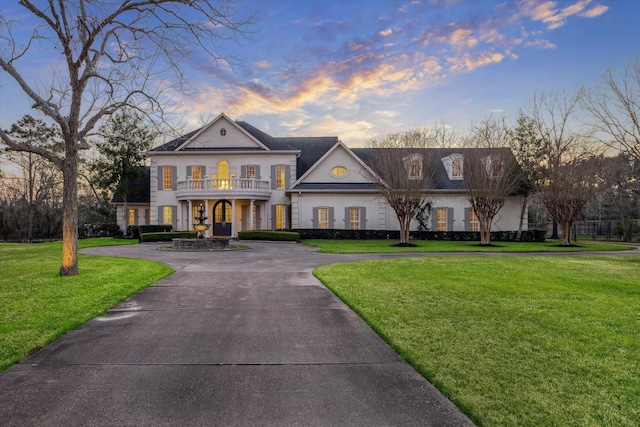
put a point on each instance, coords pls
(595, 11)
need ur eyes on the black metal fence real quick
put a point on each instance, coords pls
(610, 230)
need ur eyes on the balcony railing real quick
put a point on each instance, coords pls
(231, 184)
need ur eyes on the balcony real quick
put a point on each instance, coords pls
(239, 188)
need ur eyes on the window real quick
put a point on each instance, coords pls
(196, 175)
(167, 177)
(280, 176)
(456, 168)
(413, 163)
(354, 218)
(339, 171)
(222, 182)
(251, 171)
(167, 215)
(131, 216)
(280, 217)
(442, 220)
(223, 132)
(323, 218)
(474, 222)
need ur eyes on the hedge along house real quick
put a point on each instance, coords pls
(248, 180)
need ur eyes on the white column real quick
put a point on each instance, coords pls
(251, 219)
(206, 213)
(190, 215)
(233, 217)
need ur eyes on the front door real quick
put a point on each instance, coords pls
(222, 218)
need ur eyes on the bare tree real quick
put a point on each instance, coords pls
(491, 173)
(111, 56)
(35, 183)
(567, 171)
(402, 169)
(615, 108)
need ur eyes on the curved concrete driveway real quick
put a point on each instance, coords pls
(234, 338)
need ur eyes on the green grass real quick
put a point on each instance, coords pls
(37, 306)
(512, 341)
(387, 246)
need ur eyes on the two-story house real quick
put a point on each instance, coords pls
(248, 180)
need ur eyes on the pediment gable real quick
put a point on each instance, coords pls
(222, 134)
(338, 166)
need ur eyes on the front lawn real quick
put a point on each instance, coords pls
(37, 306)
(387, 246)
(512, 341)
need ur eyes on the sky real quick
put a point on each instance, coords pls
(360, 69)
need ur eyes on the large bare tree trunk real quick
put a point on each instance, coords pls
(69, 265)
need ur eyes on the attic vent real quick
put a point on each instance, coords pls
(223, 132)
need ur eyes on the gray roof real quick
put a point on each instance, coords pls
(311, 150)
(265, 139)
(441, 178)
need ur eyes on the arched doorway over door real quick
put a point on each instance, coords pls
(222, 218)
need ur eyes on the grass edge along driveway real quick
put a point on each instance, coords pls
(512, 341)
(37, 306)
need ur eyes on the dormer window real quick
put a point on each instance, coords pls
(454, 166)
(493, 165)
(413, 163)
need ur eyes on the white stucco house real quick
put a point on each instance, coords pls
(249, 180)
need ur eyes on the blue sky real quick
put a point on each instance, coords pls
(360, 69)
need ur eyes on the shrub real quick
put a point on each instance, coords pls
(269, 235)
(498, 236)
(101, 229)
(134, 231)
(167, 236)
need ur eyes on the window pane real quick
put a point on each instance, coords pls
(167, 177)
(323, 218)
(196, 175)
(474, 222)
(354, 218)
(339, 170)
(251, 171)
(167, 215)
(441, 219)
(132, 216)
(280, 176)
(456, 170)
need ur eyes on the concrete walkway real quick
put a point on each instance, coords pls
(234, 338)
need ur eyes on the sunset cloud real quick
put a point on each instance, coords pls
(345, 73)
(540, 44)
(595, 12)
(554, 17)
(347, 130)
(471, 62)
